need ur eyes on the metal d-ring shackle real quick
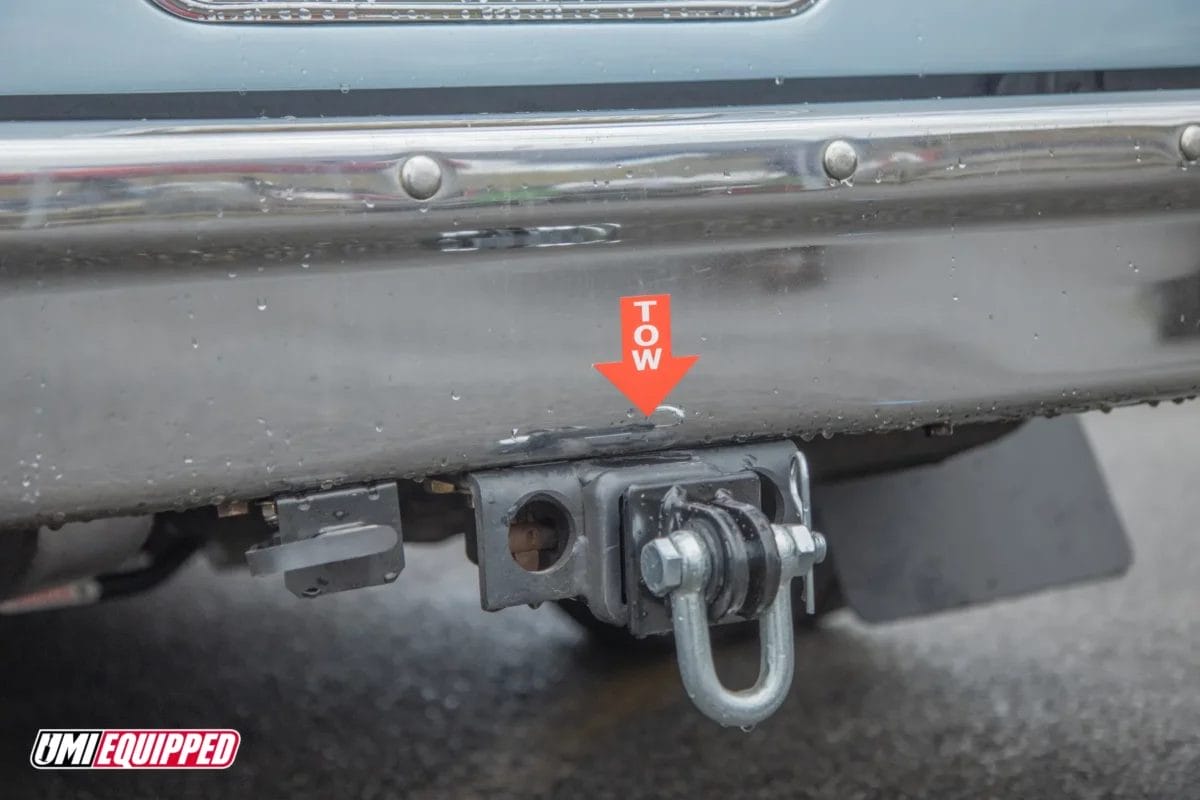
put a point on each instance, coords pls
(687, 567)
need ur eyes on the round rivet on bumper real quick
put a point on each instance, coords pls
(840, 159)
(1189, 142)
(421, 177)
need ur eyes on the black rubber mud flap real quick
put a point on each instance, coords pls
(1027, 512)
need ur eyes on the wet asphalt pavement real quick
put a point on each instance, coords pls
(412, 691)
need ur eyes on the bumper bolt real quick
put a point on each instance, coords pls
(421, 177)
(1189, 142)
(840, 160)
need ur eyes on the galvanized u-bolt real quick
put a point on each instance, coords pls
(680, 565)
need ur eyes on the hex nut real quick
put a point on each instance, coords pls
(662, 566)
(803, 542)
(840, 160)
(421, 177)
(1189, 142)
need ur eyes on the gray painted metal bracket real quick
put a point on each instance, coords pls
(332, 541)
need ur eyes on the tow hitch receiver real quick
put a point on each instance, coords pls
(670, 542)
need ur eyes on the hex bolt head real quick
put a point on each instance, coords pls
(840, 160)
(1189, 142)
(662, 566)
(421, 177)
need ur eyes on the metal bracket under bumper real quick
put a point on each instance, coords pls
(334, 540)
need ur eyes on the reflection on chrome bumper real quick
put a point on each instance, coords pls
(198, 312)
(407, 11)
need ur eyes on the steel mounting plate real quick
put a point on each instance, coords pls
(309, 516)
(642, 521)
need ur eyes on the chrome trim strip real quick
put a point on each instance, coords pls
(711, 173)
(303, 12)
(201, 311)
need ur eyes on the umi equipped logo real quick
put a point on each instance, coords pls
(135, 748)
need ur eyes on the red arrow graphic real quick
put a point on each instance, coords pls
(648, 370)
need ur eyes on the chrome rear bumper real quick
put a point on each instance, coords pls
(210, 311)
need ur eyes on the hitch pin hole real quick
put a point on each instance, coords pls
(538, 534)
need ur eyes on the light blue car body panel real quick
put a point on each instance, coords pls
(75, 46)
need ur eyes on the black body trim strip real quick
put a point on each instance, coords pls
(578, 97)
